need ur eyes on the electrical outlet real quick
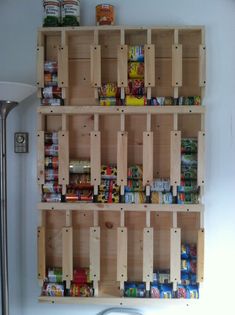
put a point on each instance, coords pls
(21, 142)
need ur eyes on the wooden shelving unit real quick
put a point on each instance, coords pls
(120, 242)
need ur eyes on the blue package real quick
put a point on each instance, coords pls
(166, 291)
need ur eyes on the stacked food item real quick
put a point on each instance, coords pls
(181, 101)
(188, 288)
(135, 93)
(188, 189)
(51, 190)
(51, 93)
(161, 191)
(134, 191)
(81, 285)
(161, 287)
(108, 190)
(79, 188)
(109, 94)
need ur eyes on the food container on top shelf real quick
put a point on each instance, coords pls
(105, 14)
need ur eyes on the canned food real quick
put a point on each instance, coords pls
(51, 198)
(52, 102)
(84, 195)
(134, 185)
(51, 12)
(188, 186)
(187, 198)
(108, 197)
(82, 290)
(80, 179)
(51, 188)
(157, 101)
(51, 137)
(132, 289)
(51, 175)
(166, 291)
(81, 275)
(189, 159)
(53, 289)
(109, 90)
(136, 100)
(51, 66)
(50, 79)
(54, 274)
(70, 12)
(135, 87)
(110, 101)
(188, 172)
(161, 198)
(190, 100)
(135, 197)
(51, 150)
(189, 145)
(187, 291)
(51, 162)
(80, 166)
(108, 172)
(135, 172)
(136, 53)
(161, 185)
(189, 265)
(109, 185)
(105, 14)
(51, 92)
(155, 292)
(136, 70)
(163, 276)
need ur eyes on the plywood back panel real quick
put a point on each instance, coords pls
(79, 45)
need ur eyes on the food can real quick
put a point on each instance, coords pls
(135, 100)
(70, 12)
(108, 197)
(51, 137)
(52, 102)
(187, 291)
(105, 14)
(166, 291)
(189, 265)
(188, 145)
(136, 53)
(51, 150)
(135, 197)
(109, 90)
(110, 101)
(135, 87)
(53, 289)
(187, 198)
(135, 172)
(81, 275)
(51, 13)
(188, 186)
(134, 185)
(50, 66)
(52, 92)
(136, 70)
(132, 289)
(54, 274)
(189, 159)
(108, 171)
(157, 101)
(79, 166)
(109, 185)
(155, 292)
(50, 79)
(51, 175)
(83, 195)
(51, 162)
(161, 198)
(80, 179)
(51, 198)
(51, 187)
(82, 290)
(188, 172)
(161, 185)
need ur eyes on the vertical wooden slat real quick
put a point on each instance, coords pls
(95, 257)
(40, 157)
(176, 65)
(40, 66)
(201, 159)
(202, 65)
(149, 65)
(175, 254)
(200, 255)
(148, 255)
(122, 64)
(63, 138)
(122, 139)
(63, 73)
(41, 246)
(95, 157)
(122, 254)
(147, 157)
(175, 170)
(67, 255)
(95, 65)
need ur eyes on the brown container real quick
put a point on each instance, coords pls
(105, 14)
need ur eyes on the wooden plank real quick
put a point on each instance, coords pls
(95, 65)
(40, 157)
(147, 157)
(148, 255)
(201, 159)
(40, 66)
(175, 168)
(149, 65)
(95, 151)
(41, 245)
(122, 139)
(200, 255)
(121, 254)
(175, 250)
(176, 65)
(63, 70)
(63, 137)
(202, 65)
(95, 253)
(67, 255)
(122, 64)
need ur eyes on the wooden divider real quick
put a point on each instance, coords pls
(63, 62)
(148, 256)
(202, 65)
(67, 255)
(122, 256)
(200, 255)
(201, 159)
(122, 139)
(41, 246)
(95, 257)
(122, 66)
(176, 64)
(149, 65)
(175, 169)
(147, 157)
(175, 254)
(63, 137)
(40, 66)
(40, 157)
(96, 66)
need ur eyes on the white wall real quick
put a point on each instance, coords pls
(18, 23)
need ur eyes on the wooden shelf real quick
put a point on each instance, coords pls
(72, 110)
(119, 207)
